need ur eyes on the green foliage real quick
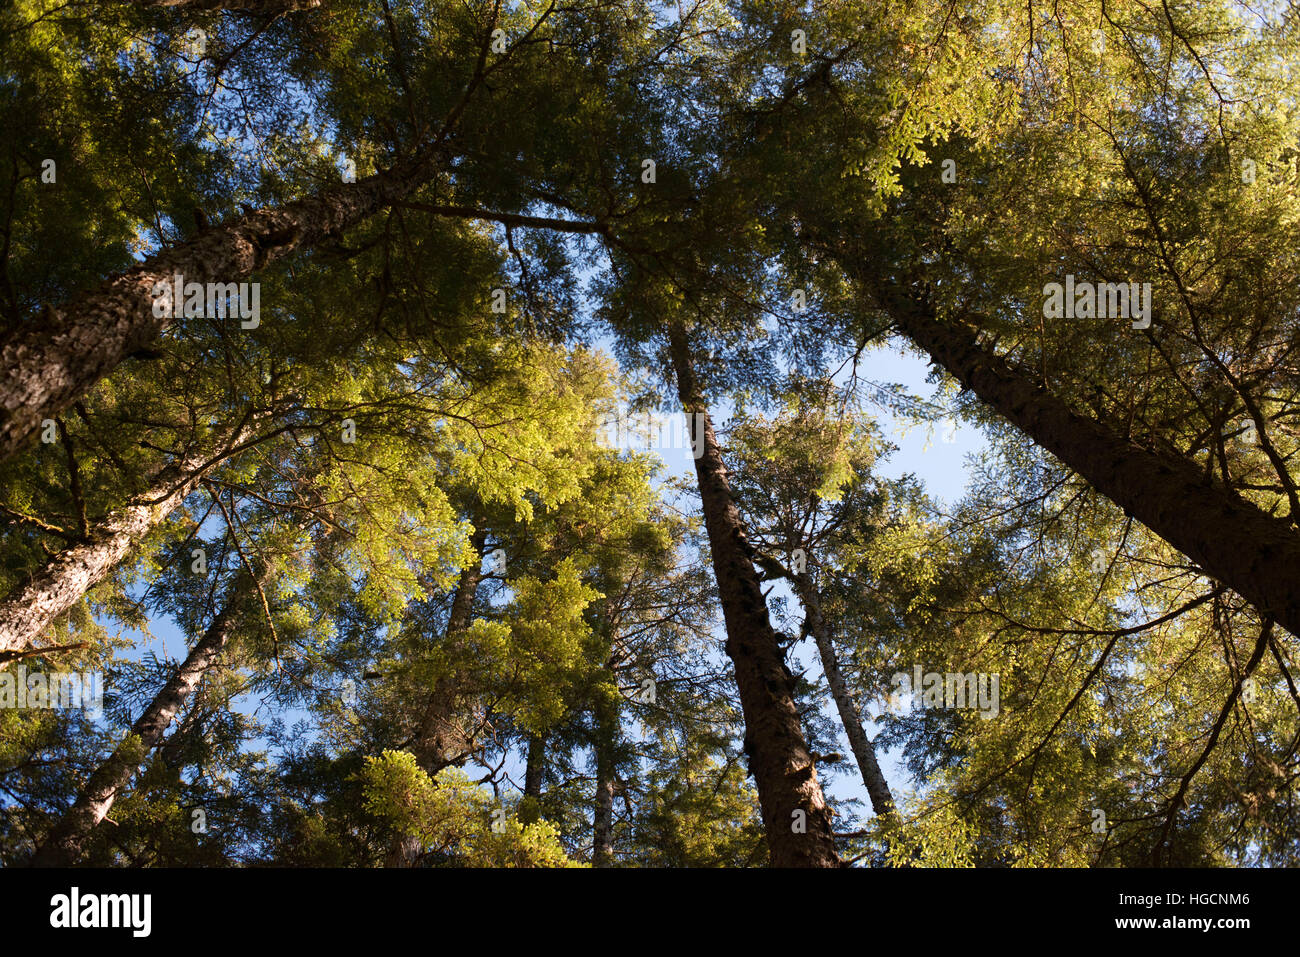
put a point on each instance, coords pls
(398, 428)
(453, 819)
(701, 813)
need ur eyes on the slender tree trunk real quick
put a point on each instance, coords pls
(602, 847)
(32, 604)
(1253, 553)
(437, 736)
(602, 828)
(67, 841)
(882, 802)
(795, 815)
(48, 362)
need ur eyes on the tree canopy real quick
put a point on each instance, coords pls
(338, 337)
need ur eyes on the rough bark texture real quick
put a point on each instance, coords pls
(439, 736)
(31, 605)
(1236, 543)
(535, 767)
(66, 842)
(48, 361)
(882, 801)
(602, 828)
(779, 759)
(602, 847)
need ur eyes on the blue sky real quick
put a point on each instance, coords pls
(939, 456)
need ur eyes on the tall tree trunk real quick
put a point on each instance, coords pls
(48, 362)
(530, 809)
(1235, 542)
(882, 801)
(795, 815)
(67, 840)
(32, 604)
(606, 722)
(437, 735)
(535, 767)
(602, 846)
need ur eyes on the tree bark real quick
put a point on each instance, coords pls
(48, 362)
(602, 847)
(882, 801)
(437, 735)
(602, 826)
(66, 842)
(535, 767)
(795, 815)
(32, 604)
(530, 809)
(1234, 542)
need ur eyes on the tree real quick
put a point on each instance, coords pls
(804, 487)
(795, 814)
(471, 634)
(64, 843)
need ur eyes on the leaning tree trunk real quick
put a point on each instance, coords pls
(882, 801)
(1253, 553)
(795, 815)
(1234, 541)
(67, 840)
(32, 604)
(48, 362)
(437, 737)
(45, 364)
